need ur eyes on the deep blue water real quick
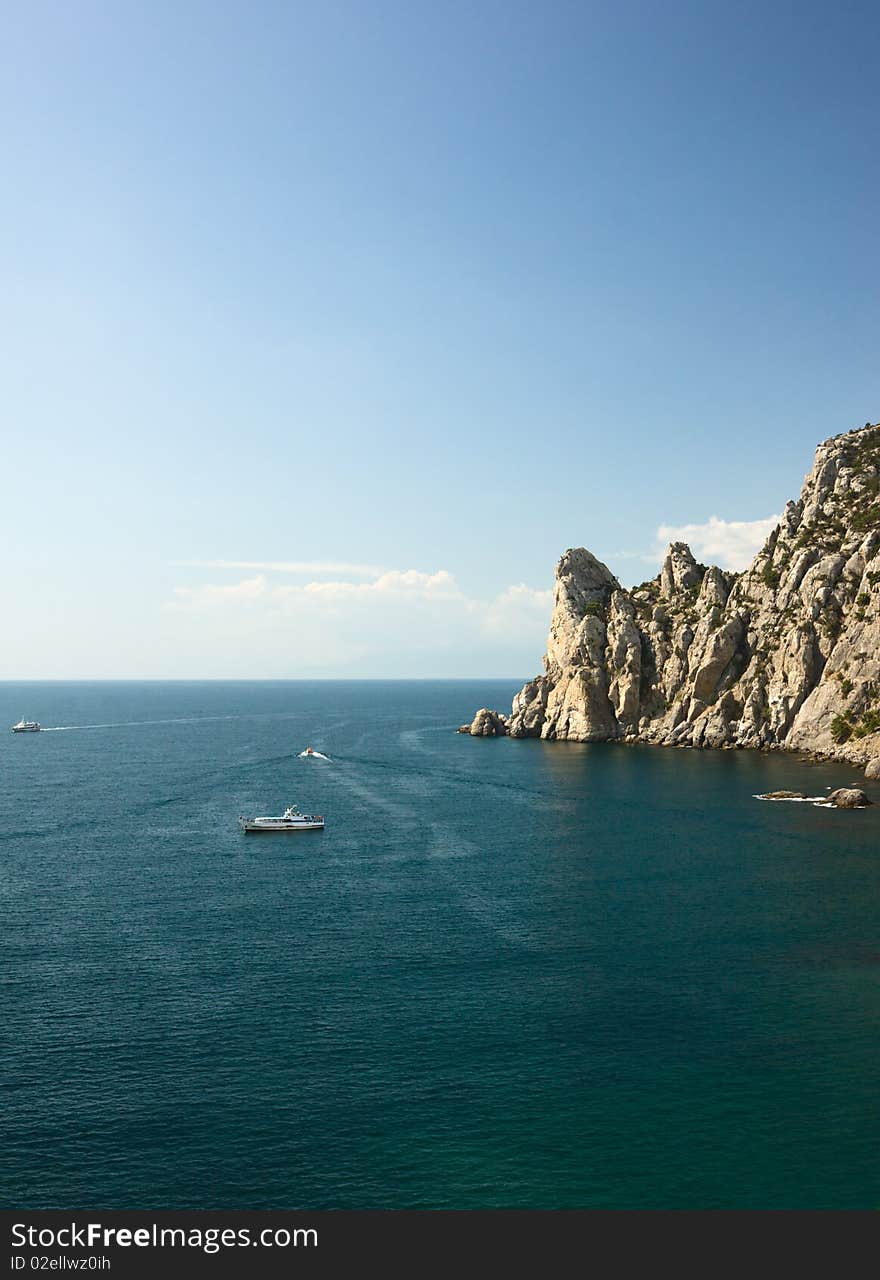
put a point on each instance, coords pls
(508, 974)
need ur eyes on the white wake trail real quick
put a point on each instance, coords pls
(133, 724)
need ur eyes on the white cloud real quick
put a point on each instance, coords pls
(403, 621)
(288, 566)
(731, 544)
(394, 582)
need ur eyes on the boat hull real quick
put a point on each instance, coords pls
(252, 829)
(29, 729)
(282, 831)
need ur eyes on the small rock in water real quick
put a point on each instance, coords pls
(784, 795)
(872, 770)
(848, 798)
(488, 724)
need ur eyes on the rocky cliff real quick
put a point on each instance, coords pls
(784, 655)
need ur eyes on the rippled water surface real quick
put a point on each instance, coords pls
(507, 974)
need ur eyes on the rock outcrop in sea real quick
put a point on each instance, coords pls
(785, 655)
(848, 798)
(486, 724)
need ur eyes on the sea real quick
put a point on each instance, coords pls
(508, 974)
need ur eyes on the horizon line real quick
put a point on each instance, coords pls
(244, 679)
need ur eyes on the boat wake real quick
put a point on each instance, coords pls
(132, 724)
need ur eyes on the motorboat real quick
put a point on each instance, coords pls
(26, 726)
(290, 820)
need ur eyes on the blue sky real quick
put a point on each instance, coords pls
(407, 299)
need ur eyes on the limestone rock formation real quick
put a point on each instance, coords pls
(783, 655)
(487, 724)
(872, 772)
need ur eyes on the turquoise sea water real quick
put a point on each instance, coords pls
(508, 974)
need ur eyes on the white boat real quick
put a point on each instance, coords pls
(290, 820)
(26, 726)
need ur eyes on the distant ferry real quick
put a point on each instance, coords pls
(26, 726)
(290, 820)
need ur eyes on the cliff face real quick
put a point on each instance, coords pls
(784, 655)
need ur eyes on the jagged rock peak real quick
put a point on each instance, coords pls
(680, 571)
(580, 574)
(783, 655)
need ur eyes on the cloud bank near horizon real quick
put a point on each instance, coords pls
(348, 617)
(288, 566)
(405, 620)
